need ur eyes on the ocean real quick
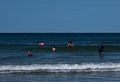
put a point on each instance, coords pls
(81, 63)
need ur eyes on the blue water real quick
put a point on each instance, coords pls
(78, 64)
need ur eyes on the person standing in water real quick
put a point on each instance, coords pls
(41, 44)
(29, 53)
(70, 44)
(100, 50)
(53, 48)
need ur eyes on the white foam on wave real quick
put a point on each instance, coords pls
(91, 67)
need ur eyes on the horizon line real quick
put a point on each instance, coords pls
(58, 32)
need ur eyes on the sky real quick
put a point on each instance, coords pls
(43, 16)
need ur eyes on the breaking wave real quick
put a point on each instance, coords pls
(57, 68)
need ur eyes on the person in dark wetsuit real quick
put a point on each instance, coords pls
(70, 44)
(100, 50)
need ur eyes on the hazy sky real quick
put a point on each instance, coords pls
(59, 16)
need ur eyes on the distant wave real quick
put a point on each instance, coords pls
(64, 68)
(59, 44)
(62, 48)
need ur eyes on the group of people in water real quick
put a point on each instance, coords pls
(69, 45)
(42, 44)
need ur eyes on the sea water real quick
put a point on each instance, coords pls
(81, 63)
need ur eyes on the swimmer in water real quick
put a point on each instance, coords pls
(29, 53)
(53, 48)
(70, 44)
(41, 44)
(100, 50)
